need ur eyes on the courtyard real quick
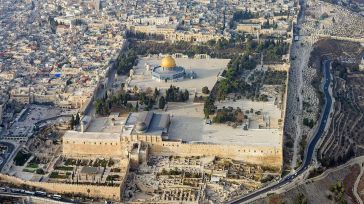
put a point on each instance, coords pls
(206, 70)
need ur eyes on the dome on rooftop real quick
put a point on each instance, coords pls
(168, 62)
(141, 126)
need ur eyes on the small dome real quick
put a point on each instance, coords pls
(140, 126)
(168, 62)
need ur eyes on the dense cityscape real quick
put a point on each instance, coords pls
(201, 101)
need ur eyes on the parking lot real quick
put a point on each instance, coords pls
(24, 124)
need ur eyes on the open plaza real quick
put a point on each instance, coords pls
(199, 73)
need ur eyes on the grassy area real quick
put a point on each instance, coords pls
(56, 175)
(21, 158)
(70, 162)
(29, 170)
(100, 162)
(112, 178)
(40, 171)
(32, 165)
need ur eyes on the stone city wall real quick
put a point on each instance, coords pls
(269, 156)
(124, 166)
(360, 40)
(262, 155)
(107, 192)
(92, 148)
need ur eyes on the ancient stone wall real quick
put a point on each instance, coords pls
(262, 155)
(107, 192)
(88, 147)
(269, 156)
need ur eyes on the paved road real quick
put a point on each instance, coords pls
(44, 198)
(6, 156)
(311, 145)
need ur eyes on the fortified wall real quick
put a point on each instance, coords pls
(262, 155)
(267, 156)
(76, 144)
(107, 192)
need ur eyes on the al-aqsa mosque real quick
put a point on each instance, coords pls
(168, 71)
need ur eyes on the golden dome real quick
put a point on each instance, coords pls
(168, 62)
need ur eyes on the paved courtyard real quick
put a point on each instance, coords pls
(268, 108)
(206, 70)
(188, 124)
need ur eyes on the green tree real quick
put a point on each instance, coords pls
(72, 123)
(77, 120)
(205, 90)
(162, 102)
(137, 106)
(156, 92)
(39, 171)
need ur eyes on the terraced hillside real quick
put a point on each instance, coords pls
(344, 136)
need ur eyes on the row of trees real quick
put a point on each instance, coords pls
(239, 17)
(267, 24)
(273, 50)
(221, 48)
(121, 100)
(143, 36)
(75, 121)
(148, 99)
(125, 61)
(335, 159)
(229, 115)
(209, 106)
(275, 77)
(233, 82)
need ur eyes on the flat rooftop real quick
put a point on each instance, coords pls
(156, 123)
(109, 124)
(75, 135)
